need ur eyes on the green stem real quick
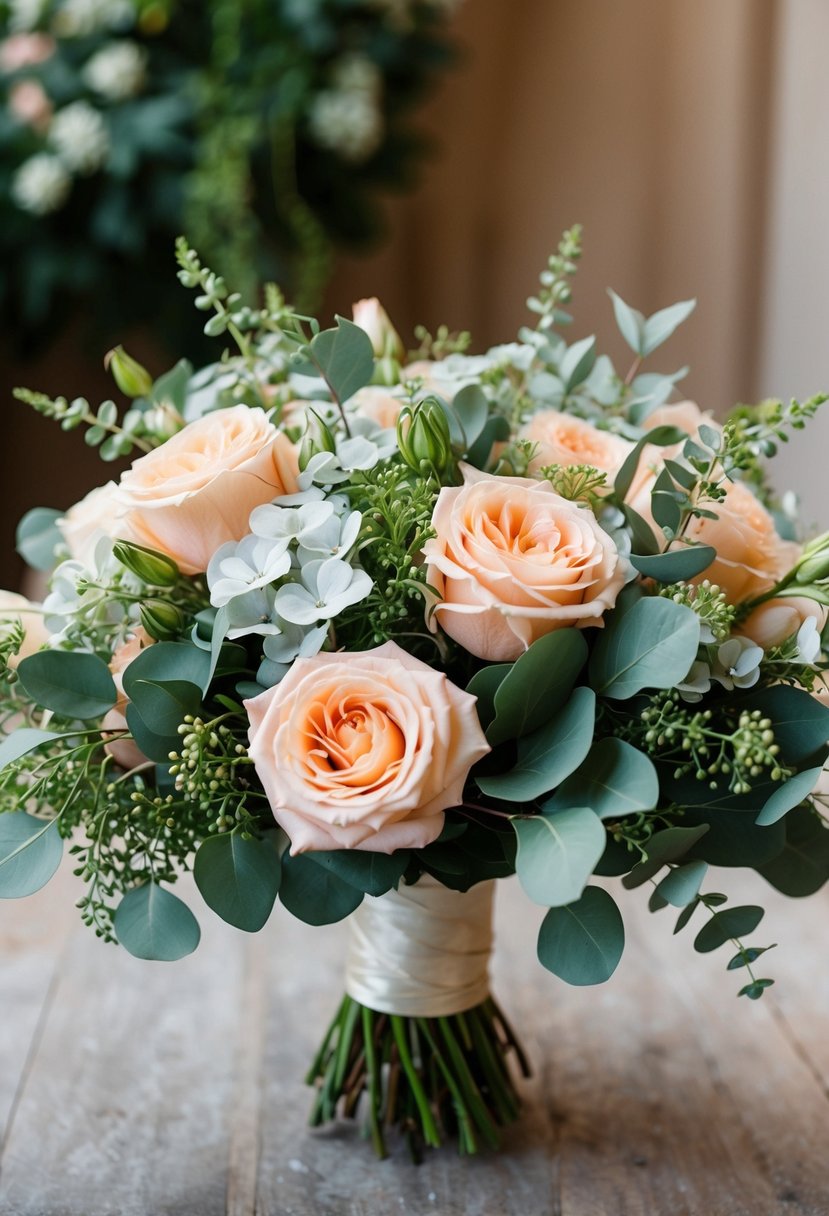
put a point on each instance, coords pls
(430, 1131)
(373, 1084)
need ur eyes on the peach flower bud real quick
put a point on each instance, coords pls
(364, 750)
(512, 561)
(566, 440)
(770, 624)
(371, 316)
(17, 610)
(196, 491)
(751, 557)
(376, 402)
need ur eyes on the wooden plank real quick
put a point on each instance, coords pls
(127, 1106)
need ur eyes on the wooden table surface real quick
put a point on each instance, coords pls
(138, 1089)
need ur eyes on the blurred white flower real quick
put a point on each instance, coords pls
(24, 14)
(79, 136)
(77, 18)
(117, 71)
(41, 184)
(348, 122)
(357, 74)
(808, 641)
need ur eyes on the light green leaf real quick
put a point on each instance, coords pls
(344, 357)
(484, 685)
(472, 411)
(537, 685)
(71, 684)
(38, 536)
(577, 363)
(631, 323)
(557, 854)
(652, 646)
(789, 795)
(659, 327)
(152, 923)
(238, 879)
(25, 739)
(548, 755)
(167, 663)
(615, 780)
(582, 943)
(679, 564)
(681, 886)
(30, 852)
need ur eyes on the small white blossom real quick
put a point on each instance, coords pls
(357, 74)
(327, 587)
(347, 122)
(117, 71)
(697, 682)
(316, 527)
(281, 649)
(323, 469)
(79, 136)
(236, 569)
(41, 184)
(808, 641)
(737, 663)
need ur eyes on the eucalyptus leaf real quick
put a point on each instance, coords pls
(315, 894)
(238, 878)
(165, 705)
(38, 536)
(659, 327)
(615, 780)
(71, 684)
(676, 565)
(667, 845)
(30, 852)
(789, 795)
(471, 408)
(577, 363)
(483, 685)
(631, 323)
(583, 942)
(652, 646)
(344, 357)
(800, 721)
(24, 740)
(548, 755)
(557, 854)
(681, 886)
(152, 923)
(167, 663)
(727, 925)
(373, 873)
(801, 867)
(537, 685)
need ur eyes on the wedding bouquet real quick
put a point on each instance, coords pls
(267, 129)
(366, 632)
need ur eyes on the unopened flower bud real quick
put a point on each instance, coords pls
(132, 379)
(317, 438)
(814, 561)
(161, 620)
(151, 567)
(423, 437)
(372, 317)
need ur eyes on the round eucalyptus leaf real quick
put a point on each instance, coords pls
(583, 942)
(238, 879)
(30, 852)
(315, 894)
(71, 684)
(152, 923)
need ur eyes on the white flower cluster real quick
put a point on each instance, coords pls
(117, 71)
(347, 118)
(79, 18)
(735, 663)
(41, 184)
(80, 141)
(288, 578)
(80, 604)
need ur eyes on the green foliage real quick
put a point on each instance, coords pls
(727, 925)
(557, 853)
(663, 847)
(343, 357)
(372, 873)
(681, 885)
(71, 684)
(38, 537)
(238, 878)
(791, 794)
(535, 687)
(152, 923)
(583, 942)
(555, 289)
(801, 867)
(652, 645)
(615, 780)
(30, 852)
(315, 894)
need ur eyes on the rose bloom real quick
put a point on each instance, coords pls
(770, 624)
(378, 403)
(685, 414)
(512, 561)
(16, 609)
(566, 440)
(196, 491)
(751, 557)
(372, 317)
(688, 417)
(363, 750)
(125, 752)
(95, 516)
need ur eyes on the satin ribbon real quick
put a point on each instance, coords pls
(422, 951)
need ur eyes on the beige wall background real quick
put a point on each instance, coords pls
(689, 137)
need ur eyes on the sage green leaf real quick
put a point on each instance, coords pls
(71, 684)
(23, 740)
(167, 663)
(675, 566)
(152, 923)
(665, 846)
(557, 854)
(373, 873)
(652, 646)
(582, 943)
(659, 327)
(726, 925)
(538, 685)
(799, 721)
(667, 503)
(789, 795)
(681, 886)
(171, 387)
(659, 436)
(496, 430)
(577, 363)
(315, 894)
(30, 852)
(154, 746)
(802, 866)
(165, 705)
(483, 685)
(238, 879)
(631, 323)
(548, 755)
(615, 780)
(344, 357)
(471, 408)
(38, 536)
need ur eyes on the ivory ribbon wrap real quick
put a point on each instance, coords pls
(422, 951)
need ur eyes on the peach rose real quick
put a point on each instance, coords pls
(566, 440)
(363, 750)
(372, 317)
(196, 491)
(512, 561)
(16, 609)
(95, 516)
(770, 624)
(377, 403)
(124, 751)
(688, 417)
(751, 557)
(685, 414)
